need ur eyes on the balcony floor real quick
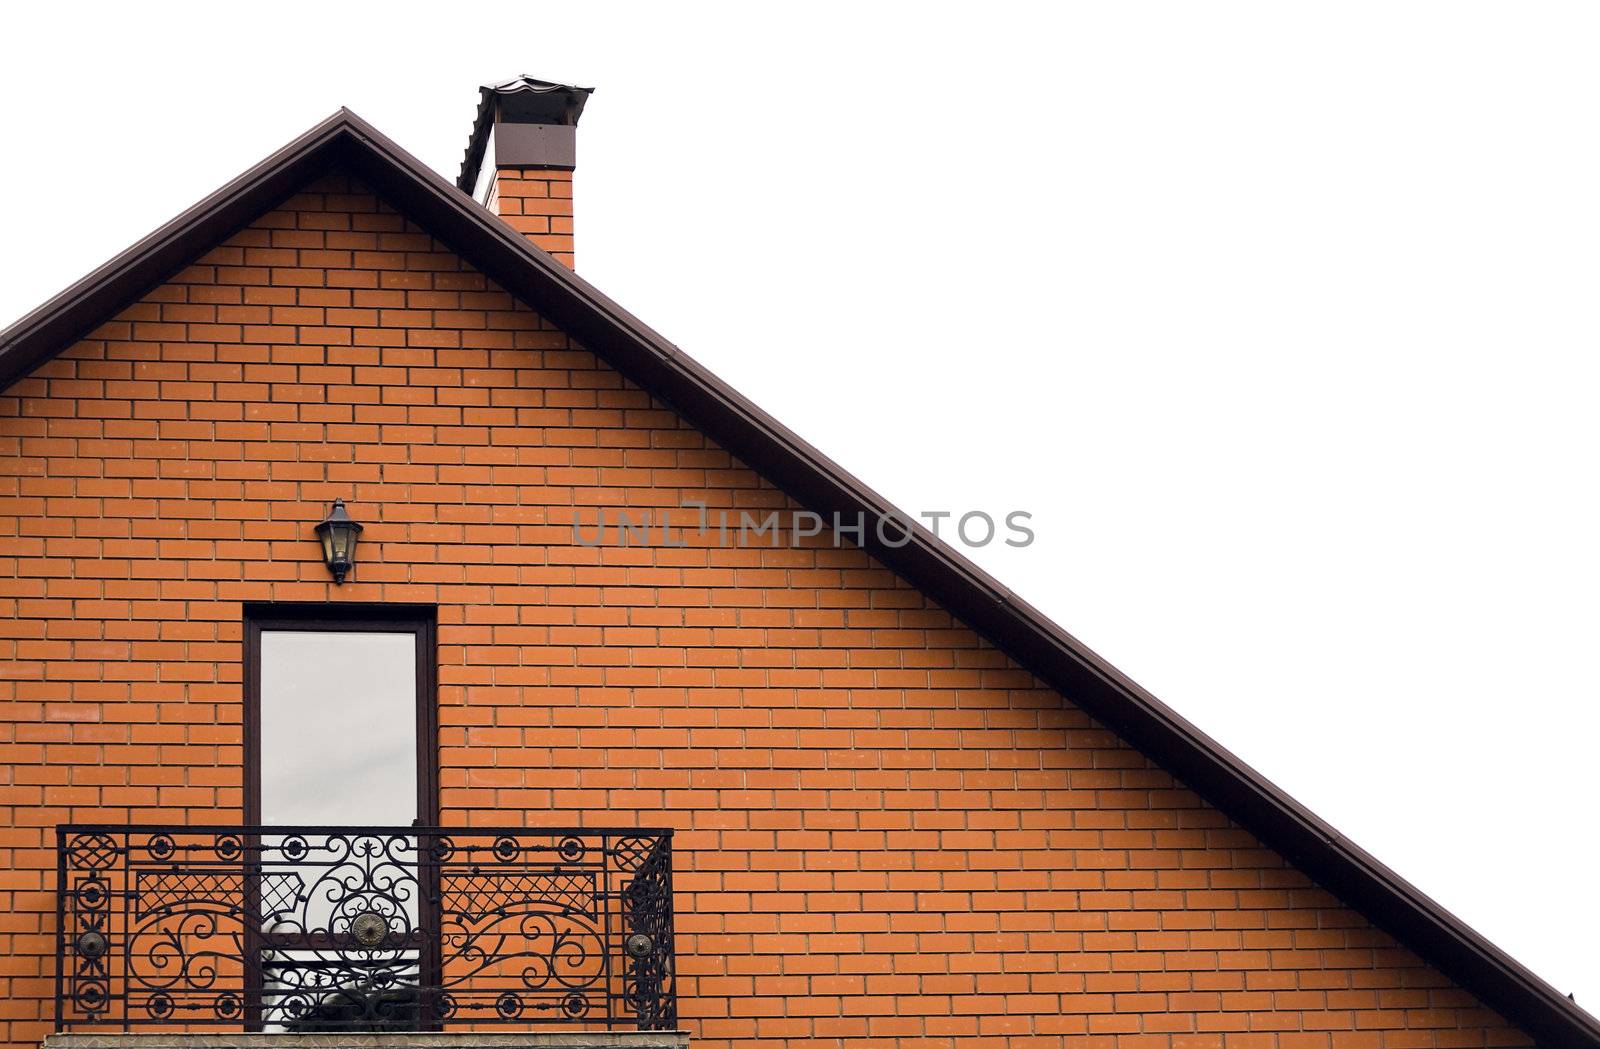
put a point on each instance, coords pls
(387, 1040)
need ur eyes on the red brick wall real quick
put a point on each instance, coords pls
(889, 834)
(538, 204)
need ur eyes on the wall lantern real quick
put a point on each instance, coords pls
(338, 533)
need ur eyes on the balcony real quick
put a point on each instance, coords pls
(373, 929)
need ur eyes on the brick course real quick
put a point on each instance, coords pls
(537, 202)
(889, 834)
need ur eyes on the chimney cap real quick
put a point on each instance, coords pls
(520, 100)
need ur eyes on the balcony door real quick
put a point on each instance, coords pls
(340, 756)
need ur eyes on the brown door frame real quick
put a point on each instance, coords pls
(420, 620)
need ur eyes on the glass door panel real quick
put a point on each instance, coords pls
(338, 728)
(340, 907)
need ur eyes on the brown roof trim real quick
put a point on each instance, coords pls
(346, 141)
(47, 330)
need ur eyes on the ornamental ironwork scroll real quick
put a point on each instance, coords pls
(370, 928)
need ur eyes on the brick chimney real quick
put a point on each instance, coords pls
(521, 156)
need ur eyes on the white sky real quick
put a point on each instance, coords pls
(1280, 318)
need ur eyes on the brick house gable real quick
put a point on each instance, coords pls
(890, 829)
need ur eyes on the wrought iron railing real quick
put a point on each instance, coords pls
(370, 928)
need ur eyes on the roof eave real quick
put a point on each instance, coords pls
(80, 308)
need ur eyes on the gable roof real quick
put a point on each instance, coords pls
(347, 142)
